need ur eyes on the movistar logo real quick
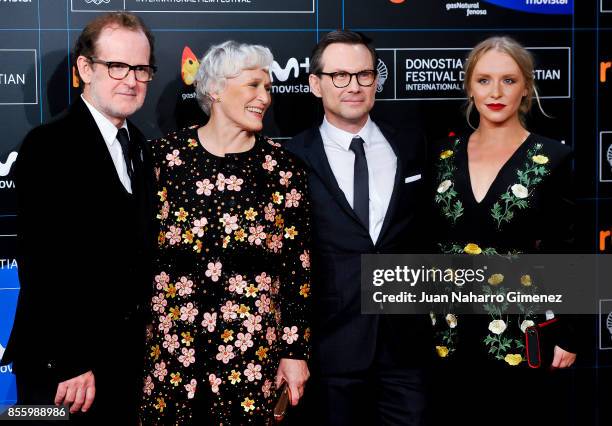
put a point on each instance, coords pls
(293, 67)
(5, 168)
(97, 2)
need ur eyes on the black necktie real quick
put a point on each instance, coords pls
(361, 189)
(124, 140)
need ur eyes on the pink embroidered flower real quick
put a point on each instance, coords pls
(252, 323)
(275, 243)
(187, 357)
(305, 258)
(220, 182)
(204, 187)
(243, 341)
(184, 286)
(214, 383)
(173, 158)
(269, 163)
(225, 353)
(198, 227)
(159, 303)
(174, 235)
(171, 342)
(165, 323)
(233, 183)
(229, 222)
(188, 312)
(148, 385)
(263, 281)
(269, 212)
(214, 271)
(263, 304)
(266, 388)
(271, 335)
(163, 214)
(160, 371)
(210, 321)
(229, 311)
(256, 234)
(253, 372)
(292, 199)
(290, 334)
(285, 178)
(191, 388)
(161, 281)
(237, 284)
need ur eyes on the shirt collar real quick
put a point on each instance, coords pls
(343, 138)
(108, 129)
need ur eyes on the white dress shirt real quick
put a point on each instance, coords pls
(382, 164)
(109, 133)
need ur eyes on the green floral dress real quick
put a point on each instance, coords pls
(232, 281)
(526, 210)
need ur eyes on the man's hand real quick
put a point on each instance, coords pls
(295, 373)
(562, 358)
(77, 393)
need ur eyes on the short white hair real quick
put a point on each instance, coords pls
(227, 60)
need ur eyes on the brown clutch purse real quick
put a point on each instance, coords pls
(282, 405)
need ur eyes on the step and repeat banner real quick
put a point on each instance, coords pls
(422, 46)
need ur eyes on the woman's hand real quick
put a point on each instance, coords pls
(562, 358)
(295, 373)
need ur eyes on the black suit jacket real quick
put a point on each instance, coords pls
(344, 340)
(83, 247)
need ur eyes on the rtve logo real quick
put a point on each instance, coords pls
(605, 238)
(604, 70)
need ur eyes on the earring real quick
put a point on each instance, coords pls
(218, 100)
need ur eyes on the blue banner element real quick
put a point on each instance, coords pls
(548, 7)
(8, 301)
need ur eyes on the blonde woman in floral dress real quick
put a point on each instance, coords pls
(501, 190)
(230, 305)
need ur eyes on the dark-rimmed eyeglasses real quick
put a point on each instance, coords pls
(119, 70)
(342, 79)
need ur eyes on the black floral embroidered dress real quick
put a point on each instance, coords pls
(526, 210)
(232, 282)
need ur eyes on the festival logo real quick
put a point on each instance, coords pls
(383, 74)
(605, 325)
(189, 66)
(605, 156)
(18, 77)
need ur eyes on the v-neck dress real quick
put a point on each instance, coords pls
(527, 209)
(232, 281)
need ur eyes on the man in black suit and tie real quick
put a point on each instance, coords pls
(366, 187)
(84, 185)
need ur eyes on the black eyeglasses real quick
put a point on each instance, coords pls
(119, 70)
(341, 79)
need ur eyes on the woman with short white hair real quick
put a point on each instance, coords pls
(232, 281)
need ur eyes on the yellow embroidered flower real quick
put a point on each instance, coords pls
(171, 291)
(163, 194)
(445, 154)
(262, 353)
(175, 311)
(496, 279)
(234, 377)
(175, 378)
(187, 338)
(442, 351)
(240, 235)
(191, 142)
(305, 290)
(277, 198)
(227, 335)
(155, 352)
(451, 320)
(526, 280)
(250, 214)
(540, 159)
(226, 241)
(472, 248)
(198, 246)
(248, 404)
(513, 359)
(188, 237)
(161, 404)
(243, 311)
(250, 291)
(279, 221)
(161, 238)
(290, 233)
(181, 215)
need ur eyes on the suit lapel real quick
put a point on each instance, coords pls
(391, 137)
(320, 166)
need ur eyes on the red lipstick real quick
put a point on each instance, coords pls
(496, 107)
